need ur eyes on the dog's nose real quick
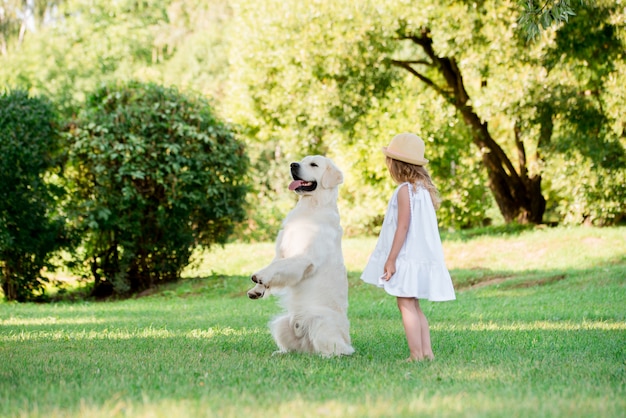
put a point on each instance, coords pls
(295, 165)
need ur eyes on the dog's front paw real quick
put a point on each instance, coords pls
(256, 279)
(257, 291)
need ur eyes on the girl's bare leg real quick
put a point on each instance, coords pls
(412, 327)
(425, 333)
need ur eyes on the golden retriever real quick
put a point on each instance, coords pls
(308, 273)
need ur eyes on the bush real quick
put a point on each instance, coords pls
(584, 192)
(30, 227)
(155, 174)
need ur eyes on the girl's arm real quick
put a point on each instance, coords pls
(404, 218)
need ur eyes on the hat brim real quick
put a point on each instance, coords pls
(404, 158)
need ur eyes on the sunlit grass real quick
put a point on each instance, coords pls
(547, 248)
(125, 334)
(537, 325)
(50, 320)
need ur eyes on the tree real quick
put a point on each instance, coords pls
(31, 227)
(154, 174)
(330, 82)
(317, 77)
(517, 187)
(517, 193)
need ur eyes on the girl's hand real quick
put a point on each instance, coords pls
(390, 269)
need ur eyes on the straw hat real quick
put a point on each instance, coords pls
(406, 147)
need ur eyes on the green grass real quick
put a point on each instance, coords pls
(538, 329)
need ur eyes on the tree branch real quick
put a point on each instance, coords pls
(407, 66)
(419, 62)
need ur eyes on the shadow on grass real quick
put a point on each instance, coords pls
(216, 285)
(507, 230)
(465, 279)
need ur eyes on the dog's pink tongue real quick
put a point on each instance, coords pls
(295, 184)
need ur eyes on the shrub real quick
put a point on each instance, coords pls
(155, 174)
(585, 192)
(30, 227)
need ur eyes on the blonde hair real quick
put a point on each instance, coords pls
(403, 172)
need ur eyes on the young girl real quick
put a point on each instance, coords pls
(408, 258)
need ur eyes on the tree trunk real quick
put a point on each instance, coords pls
(8, 284)
(518, 196)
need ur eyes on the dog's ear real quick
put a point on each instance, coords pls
(332, 177)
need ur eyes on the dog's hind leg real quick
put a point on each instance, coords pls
(287, 333)
(330, 338)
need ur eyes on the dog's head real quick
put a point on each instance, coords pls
(314, 173)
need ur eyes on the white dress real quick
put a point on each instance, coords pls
(420, 268)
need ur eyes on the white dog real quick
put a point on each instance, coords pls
(308, 272)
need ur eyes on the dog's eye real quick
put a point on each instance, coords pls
(313, 165)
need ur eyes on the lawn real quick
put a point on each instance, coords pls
(538, 329)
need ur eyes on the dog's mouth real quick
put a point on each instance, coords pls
(298, 185)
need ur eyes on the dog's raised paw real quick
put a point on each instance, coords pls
(256, 292)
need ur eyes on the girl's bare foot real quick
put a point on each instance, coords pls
(428, 357)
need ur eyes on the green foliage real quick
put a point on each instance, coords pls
(31, 228)
(279, 85)
(562, 93)
(599, 195)
(586, 154)
(314, 77)
(298, 96)
(78, 59)
(155, 174)
(368, 186)
(84, 43)
(541, 14)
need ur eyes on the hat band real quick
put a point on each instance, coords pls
(404, 158)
